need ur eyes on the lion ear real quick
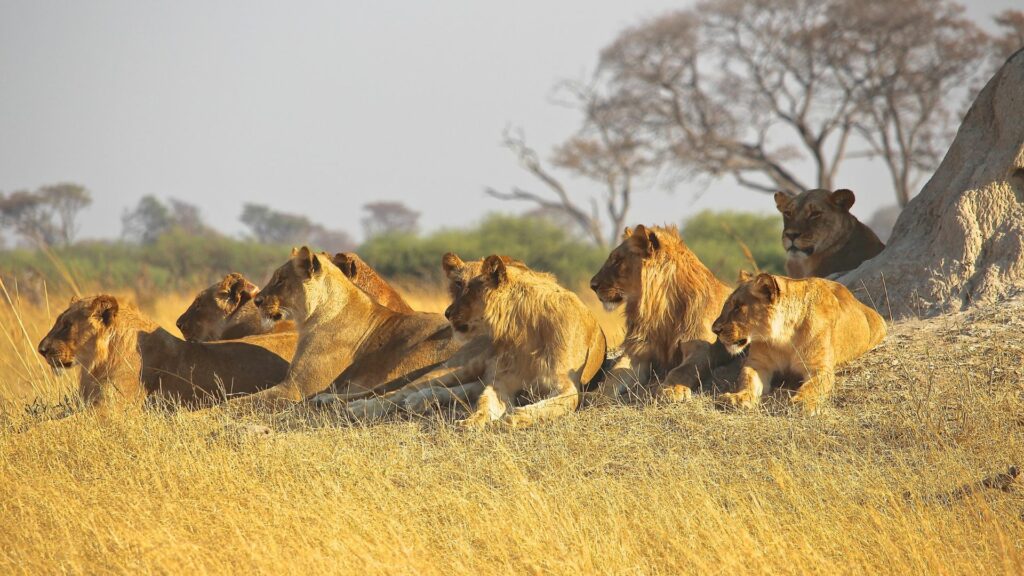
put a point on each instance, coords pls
(307, 261)
(843, 199)
(646, 239)
(626, 233)
(745, 276)
(495, 270)
(239, 289)
(767, 286)
(782, 201)
(105, 308)
(451, 262)
(346, 263)
(295, 252)
(74, 298)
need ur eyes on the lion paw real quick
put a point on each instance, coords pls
(809, 404)
(674, 394)
(474, 422)
(743, 399)
(366, 409)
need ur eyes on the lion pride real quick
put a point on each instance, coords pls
(546, 344)
(125, 357)
(670, 299)
(225, 310)
(795, 331)
(820, 235)
(345, 337)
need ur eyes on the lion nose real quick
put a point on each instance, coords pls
(792, 235)
(593, 284)
(448, 313)
(43, 348)
(716, 328)
(258, 300)
(179, 324)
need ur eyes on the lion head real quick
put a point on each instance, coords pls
(747, 313)
(459, 273)
(285, 295)
(620, 278)
(814, 221)
(366, 279)
(466, 312)
(207, 316)
(79, 331)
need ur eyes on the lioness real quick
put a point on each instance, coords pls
(225, 310)
(125, 357)
(345, 337)
(796, 329)
(545, 341)
(671, 299)
(820, 235)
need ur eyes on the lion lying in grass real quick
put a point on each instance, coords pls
(671, 300)
(345, 337)
(794, 330)
(125, 358)
(546, 343)
(455, 381)
(225, 310)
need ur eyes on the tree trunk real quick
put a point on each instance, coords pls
(961, 240)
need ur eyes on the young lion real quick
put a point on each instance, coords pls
(671, 300)
(546, 343)
(820, 235)
(225, 311)
(457, 379)
(345, 337)
(126, 357)
(794, 328)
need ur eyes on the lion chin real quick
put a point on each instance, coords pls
(612, 303)
(735, 348)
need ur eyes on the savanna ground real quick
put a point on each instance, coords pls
(870, 486)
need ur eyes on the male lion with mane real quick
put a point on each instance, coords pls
(820, 235)
(671, 300)
(797, 332)
(125, 357)
(345, 337)
(545, 341)
(225, 310)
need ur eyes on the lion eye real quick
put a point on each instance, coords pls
(813, 215)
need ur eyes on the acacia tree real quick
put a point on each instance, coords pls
(388, 218)
(608, 149)
(746, 88)
(269, 226)
(47, 216)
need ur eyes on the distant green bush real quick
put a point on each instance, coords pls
(715, 237)
(539, 243)
(178, 261)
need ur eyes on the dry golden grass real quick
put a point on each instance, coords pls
(864, 488)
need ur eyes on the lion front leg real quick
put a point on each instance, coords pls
(425, 399)
(814, 390)
(562, 400)
(489, 407)
(644, 372)
(749, 389)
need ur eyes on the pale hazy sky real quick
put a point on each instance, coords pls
(303, 104)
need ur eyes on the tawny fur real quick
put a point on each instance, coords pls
(125, 357)
(670, 298)
(225, 310)
(820, 235)
(545, 343)
(345, 337)
(796, 331)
